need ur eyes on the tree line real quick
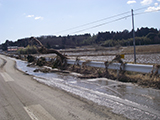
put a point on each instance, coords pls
(144, 36)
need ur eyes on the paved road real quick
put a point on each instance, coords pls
(22, 98)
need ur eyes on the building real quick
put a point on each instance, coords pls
(12, 48)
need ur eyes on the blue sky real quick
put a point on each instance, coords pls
(25, 18)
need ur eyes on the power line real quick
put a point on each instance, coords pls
(102, 24)
(146, 12)
(106, 19)
(101, 20)
(141, 8)
(95, 21)
(114, 20)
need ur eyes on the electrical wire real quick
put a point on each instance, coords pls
(115, 20)
(94, 22)
(100, 20)
(102, 24)
(141, 8)
(146, 12)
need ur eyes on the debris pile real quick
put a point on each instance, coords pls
(30, 58)
(145, 80)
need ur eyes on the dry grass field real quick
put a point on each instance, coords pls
(142, 49)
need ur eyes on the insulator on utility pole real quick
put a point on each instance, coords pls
(133, 36)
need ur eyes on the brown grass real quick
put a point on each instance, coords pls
(142, 49)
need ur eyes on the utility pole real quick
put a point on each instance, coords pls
(133, 36)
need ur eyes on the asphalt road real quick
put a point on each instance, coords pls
(22, 98)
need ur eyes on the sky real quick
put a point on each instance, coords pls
(26, 18)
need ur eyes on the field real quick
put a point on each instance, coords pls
(149, 54)
(146, 49)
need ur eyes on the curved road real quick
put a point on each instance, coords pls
(22, 98)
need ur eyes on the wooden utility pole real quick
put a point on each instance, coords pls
(133, 36)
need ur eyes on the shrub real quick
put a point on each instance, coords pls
(28, 50)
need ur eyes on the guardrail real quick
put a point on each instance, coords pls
(117, 66)
(142, 68)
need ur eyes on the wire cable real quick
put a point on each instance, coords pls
(141, 8)
(115, 20)
(95, 21)
(100, 20)
(102, 24)
(147, 12)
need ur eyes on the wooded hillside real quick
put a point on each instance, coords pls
(144, 36)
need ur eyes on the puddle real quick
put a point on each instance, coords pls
(123, 98)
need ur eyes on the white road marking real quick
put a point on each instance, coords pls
(7, 77)
(37, 112)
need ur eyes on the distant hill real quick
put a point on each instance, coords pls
(50, 41)
(144, 36)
